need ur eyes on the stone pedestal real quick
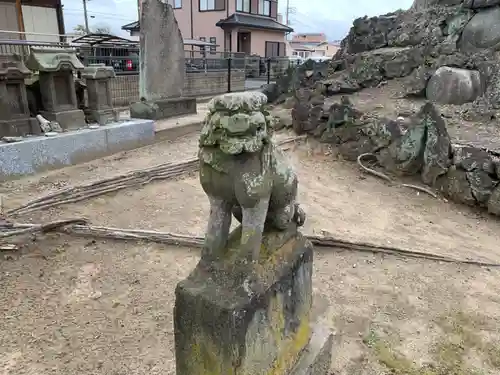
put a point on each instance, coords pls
(57, 85)
(237, 318)
(14, 112)
(163, 108)
(98, 78)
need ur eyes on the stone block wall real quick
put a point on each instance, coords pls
(125, 88)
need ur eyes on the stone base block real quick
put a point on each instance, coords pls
(164, 108)
(69, 120)
(102, 116)
(316, 358)
(19, 127)
(233, 318)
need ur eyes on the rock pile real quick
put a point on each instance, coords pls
(414, 146)
(444, 49)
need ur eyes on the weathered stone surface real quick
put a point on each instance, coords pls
(419, 5)
(453, 86)
(162, 67)
(307, 112)
(471, 158)
(163, 108)
(481, 185)
(316, 358)
(494, 201)
(230, 320)
(455, 185)
(476, 4)
(244, 172)
(416, 83)
(437, 153)
(482, 31)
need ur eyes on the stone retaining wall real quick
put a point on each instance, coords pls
(125, 88)
(413, 146)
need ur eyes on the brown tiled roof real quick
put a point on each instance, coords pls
(253, 21)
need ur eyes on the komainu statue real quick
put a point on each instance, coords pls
(245, 174)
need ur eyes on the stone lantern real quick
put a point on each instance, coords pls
(57, 85)
(97, 77)
(14, 112)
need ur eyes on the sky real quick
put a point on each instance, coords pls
(306, 15)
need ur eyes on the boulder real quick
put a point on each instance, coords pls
(453, 86)
(494, 202)
(455, 185)
(476, 4)
(482, 31)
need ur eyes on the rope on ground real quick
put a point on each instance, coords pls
(383, 176)
(135, 178)
(79, 227)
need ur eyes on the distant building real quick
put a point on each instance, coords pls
(42, 20)
(312, 45)
(247, 26)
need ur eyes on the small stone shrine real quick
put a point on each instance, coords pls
(15, 118)
(55, 67)
(246, 307)
(97, 77)
(162, 67)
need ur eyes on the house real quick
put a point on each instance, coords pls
(36, 20)
(312, 45)
(247, 26)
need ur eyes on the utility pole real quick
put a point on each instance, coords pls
(20, 20)
(86, 16)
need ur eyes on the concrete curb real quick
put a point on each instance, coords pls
(39, 154)
(170, 134)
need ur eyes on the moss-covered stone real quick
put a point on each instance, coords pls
(246, 319)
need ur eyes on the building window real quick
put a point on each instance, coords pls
(275, 49)
(243, 6)
(207, 4)
(213, 40)
(265, 7)
(176, 4)
(203, 48)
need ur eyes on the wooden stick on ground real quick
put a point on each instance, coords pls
(78, 227)
(139, 177)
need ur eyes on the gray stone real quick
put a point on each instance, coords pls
(482, 31)
(437, 153)
(57, 85)
(234, 318)
(14, 111)
(163, 108)
(97, 78)
(481, 184)
(43, 153)
(455, 185)
(471, 158)
(242, 169)
(453, 86)
(494, 202)
(419, 5)
(316, 358)
(416, 83)
(476, 4)
(162, 68)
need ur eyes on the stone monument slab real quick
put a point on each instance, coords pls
(246, 307)
(162, 68)
(55, 67)
(15, 118)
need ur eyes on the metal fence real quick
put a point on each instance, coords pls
(207, 72)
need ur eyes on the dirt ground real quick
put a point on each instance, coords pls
(72, 305)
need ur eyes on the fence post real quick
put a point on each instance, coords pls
(268, 70)
(229, 59)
